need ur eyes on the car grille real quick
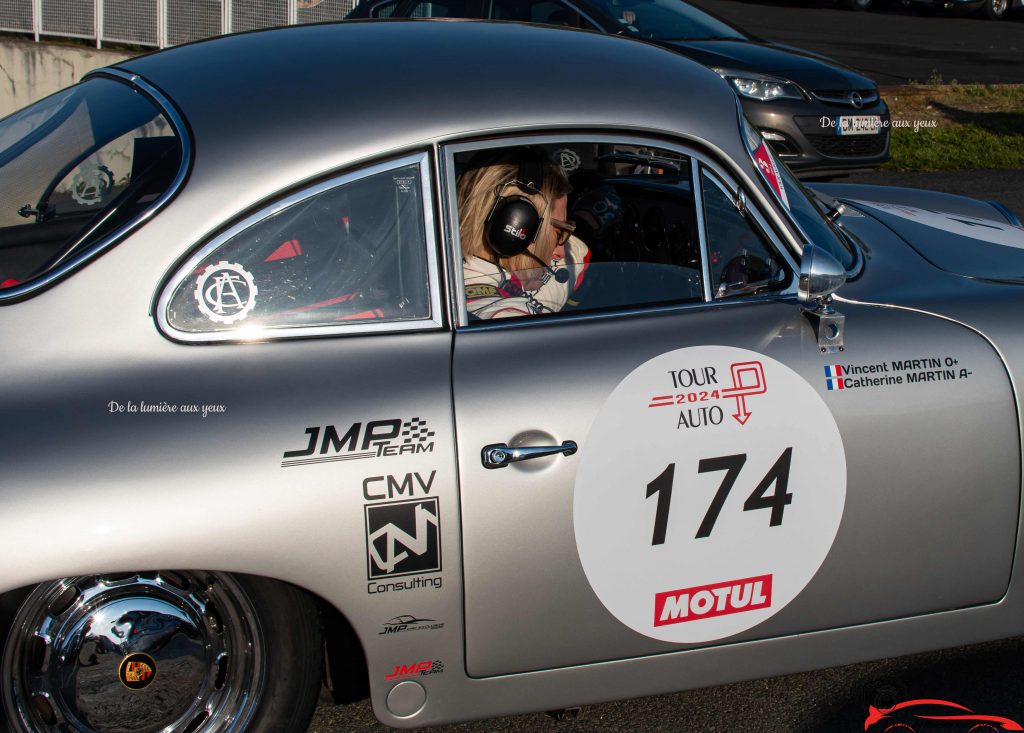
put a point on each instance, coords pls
(826, 142)
(842, 96)
(855, 146)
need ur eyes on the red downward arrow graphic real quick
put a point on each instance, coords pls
(741, 414)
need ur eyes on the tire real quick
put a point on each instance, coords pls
(995, 9)
(858, 4)
(194, 651)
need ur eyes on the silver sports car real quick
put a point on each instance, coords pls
(394, 355)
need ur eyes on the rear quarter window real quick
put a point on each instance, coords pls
(76, 170)
(348, 254)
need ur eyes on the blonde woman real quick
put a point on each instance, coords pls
(519, 254)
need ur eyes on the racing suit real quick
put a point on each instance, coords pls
(492, 292)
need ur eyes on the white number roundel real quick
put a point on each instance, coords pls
(709, 492)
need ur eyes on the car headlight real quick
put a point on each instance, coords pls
(761, 86)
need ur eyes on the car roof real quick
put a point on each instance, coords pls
(323, 96)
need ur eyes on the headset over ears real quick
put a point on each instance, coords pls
(514, 222)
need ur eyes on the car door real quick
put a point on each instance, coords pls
(713, 476)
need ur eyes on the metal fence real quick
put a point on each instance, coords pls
(159, 23)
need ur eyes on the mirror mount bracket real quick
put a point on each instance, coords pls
(828, 325)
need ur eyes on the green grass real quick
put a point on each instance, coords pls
(974, 127)
(954, 147)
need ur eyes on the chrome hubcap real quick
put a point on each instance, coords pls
(999, 5)
(142, 653)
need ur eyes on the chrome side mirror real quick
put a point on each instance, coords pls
(820, 276)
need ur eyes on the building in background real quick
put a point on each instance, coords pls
(158, 23)
(37, 60)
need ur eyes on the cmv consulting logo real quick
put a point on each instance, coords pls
(403, 538)
(933, 715)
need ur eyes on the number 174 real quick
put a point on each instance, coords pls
(778, 475)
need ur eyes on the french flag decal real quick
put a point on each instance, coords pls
(833, 376)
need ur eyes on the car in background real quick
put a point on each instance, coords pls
(249, 423)
(991, 9)
(818, 115)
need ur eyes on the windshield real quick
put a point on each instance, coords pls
(74, 168)
(817, 228)
(796, 198)
(666, 20)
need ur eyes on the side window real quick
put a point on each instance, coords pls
(444, 9)
(606, 226)
(384, 10)
(544, 11)
(349, 251)
(741, 259)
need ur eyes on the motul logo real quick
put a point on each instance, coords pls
(517, 233)
(708, 601)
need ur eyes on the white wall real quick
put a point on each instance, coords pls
(30, 71)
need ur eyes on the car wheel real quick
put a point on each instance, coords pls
(196, 652)
(995, 9)
(858, 4)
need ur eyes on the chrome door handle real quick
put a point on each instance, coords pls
(500, 455)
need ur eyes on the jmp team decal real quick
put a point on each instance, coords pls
(407, 622)
(375, 439)
(696, 526)
(417, 669)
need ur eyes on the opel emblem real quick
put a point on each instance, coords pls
(856, 100)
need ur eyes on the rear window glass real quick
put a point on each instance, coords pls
(74, 169)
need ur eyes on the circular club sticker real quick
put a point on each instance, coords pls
(226, 292)
(709, 492)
